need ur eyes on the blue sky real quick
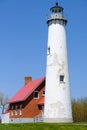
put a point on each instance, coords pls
(23, 43)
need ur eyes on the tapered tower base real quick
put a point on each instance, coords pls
(58, 120)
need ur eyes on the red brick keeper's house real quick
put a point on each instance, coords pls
(27, 105)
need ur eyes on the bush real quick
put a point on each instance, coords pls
(79, 110)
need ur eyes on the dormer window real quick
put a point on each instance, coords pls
(36, 95)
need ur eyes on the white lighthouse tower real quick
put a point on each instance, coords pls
(57, 96)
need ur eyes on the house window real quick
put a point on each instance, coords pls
(61, 78)
(36, 95)
(20, 110)
(43, 93)
(16, 110)
(12, 111)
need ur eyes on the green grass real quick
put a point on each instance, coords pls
(44, 126)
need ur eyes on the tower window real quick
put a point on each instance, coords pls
(61, 78)
(36, 95)
(48, 51)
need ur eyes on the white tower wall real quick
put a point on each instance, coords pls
(57, 95)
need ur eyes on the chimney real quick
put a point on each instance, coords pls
(27, 79)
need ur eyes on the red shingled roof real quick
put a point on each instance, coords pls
(26, 90)
(41, 102)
